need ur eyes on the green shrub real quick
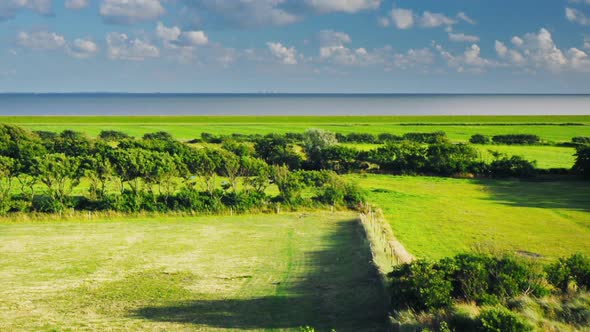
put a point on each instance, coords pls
(420, 285)
(517, 139)
(500, 319)
(479, 139)
(582, 165)
(575, 268)
(514, 166)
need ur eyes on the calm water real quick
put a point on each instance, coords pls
(290, 104)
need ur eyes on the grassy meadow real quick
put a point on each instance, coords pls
(440, 217)
(256, 272)
(458, 128)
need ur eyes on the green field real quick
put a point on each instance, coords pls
(458, 128)
(256, 272)
(439, 217)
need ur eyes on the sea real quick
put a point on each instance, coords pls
(126, 104)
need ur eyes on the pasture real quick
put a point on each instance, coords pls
(458, 128)
(440, 217)
(255, 272)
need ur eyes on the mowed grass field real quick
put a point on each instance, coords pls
(255, 272)
(440, 217)
(458, 128)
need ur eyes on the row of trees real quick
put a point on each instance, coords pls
(40, 172)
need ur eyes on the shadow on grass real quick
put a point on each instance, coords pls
(343, 293)
(567, 194)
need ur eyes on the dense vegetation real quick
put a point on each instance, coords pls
(494, 283)
(158, 173)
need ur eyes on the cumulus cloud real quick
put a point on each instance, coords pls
(130, 11)
(182, 43)
(402, 18)
(461, 37)
(120, 46)
(576, 16)
(538, 51)
(82, 48)
(51, 41)
(286, 55)
(40, 40)
(9, 8)
(347, 6)
(175, 37)
(76, 4)
(469, 61)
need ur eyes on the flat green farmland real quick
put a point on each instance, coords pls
(458, 128)
(440, 217)
(256, 272)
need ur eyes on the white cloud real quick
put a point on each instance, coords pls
(40, 40)
(402, 18)
(576, 16)
(383, 22)
(538, 51)
(464, 17)
(193, 38)
(578, 60)
(413, 58)
(167, 34)
(461, 37)
(469, 61)
(242, 13)
(287, 55)
(517, 41)
(120, 46)
(130, 11)
(348, 6)
(501, 49)
(174, 37)
(433, 20)
(329, 38)
(82, 48)
(182, 43)
(587, 43)
(9, 8)
(76, 4)
(406, 18)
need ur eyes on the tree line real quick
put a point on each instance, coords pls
(39, 171)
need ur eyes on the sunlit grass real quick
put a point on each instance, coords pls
(439, 217)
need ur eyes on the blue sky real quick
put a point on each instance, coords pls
(441, 46)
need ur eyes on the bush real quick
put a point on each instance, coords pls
(112, 135)
(430, 138)
(479, 139)
(421, 286)
(160, 135)
(575, 268)
(516, 139)
(581, 140)
(582, 165)
(514, 166)
(500, 319)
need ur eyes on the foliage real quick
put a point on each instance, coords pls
(582, 165)
(522, 139)
(423, 285)
(479, 139)
(564, 271)
(514, 166)
(500, 319)
(112, 135)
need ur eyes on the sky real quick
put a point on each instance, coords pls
(314, 46)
